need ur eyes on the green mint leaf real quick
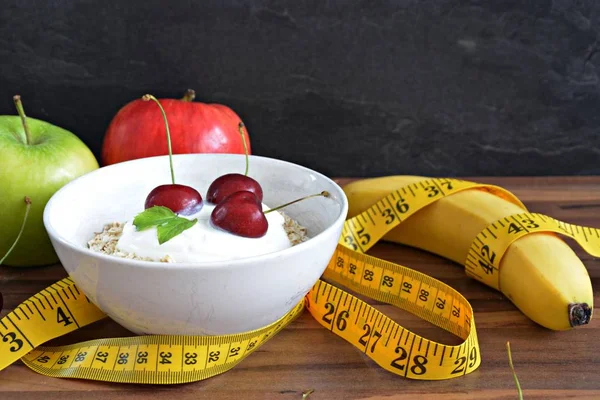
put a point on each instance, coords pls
(168, 224)
(173, 227)
(153, 216)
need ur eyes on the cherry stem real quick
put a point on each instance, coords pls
(240, 128)
(147, 97)
(27, 208)
(189, 95)
(324, 193)
(21, 112)
(514, 374)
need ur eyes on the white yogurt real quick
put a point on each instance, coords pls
(203, 242)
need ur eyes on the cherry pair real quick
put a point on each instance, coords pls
(238, 200)
(239, 205)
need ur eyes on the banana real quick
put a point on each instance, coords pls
(539, 272)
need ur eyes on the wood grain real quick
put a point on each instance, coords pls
(550, 365)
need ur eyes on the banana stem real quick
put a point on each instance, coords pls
(147, 97)
(579, 314)
(27, 208)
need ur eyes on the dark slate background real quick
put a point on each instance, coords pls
(355, 88)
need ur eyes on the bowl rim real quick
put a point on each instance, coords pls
(290, 251)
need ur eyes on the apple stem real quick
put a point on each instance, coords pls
(324, 193)
(21, 112)
(147, 97)
(27, 208)
(189, 95)
(240, 127)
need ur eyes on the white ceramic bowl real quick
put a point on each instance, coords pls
(193, 298)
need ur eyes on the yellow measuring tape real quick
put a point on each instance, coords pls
(168, 359)
(483, 259)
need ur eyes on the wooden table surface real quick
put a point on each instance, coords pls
(550, 365)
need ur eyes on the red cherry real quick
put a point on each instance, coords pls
(241, 214)
(180, 199)
(228, 184)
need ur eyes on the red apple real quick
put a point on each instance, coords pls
(138, 130)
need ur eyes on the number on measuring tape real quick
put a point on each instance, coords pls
(514, 228)
(15, 343)
(62, 318)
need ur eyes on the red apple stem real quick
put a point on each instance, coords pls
(324, 193)
(21, 112)
(241, 126)
(189, 95)
(27, 208)
(147, 97)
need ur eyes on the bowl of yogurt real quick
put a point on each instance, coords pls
(204, 281)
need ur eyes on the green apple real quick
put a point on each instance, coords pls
(36, 159)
